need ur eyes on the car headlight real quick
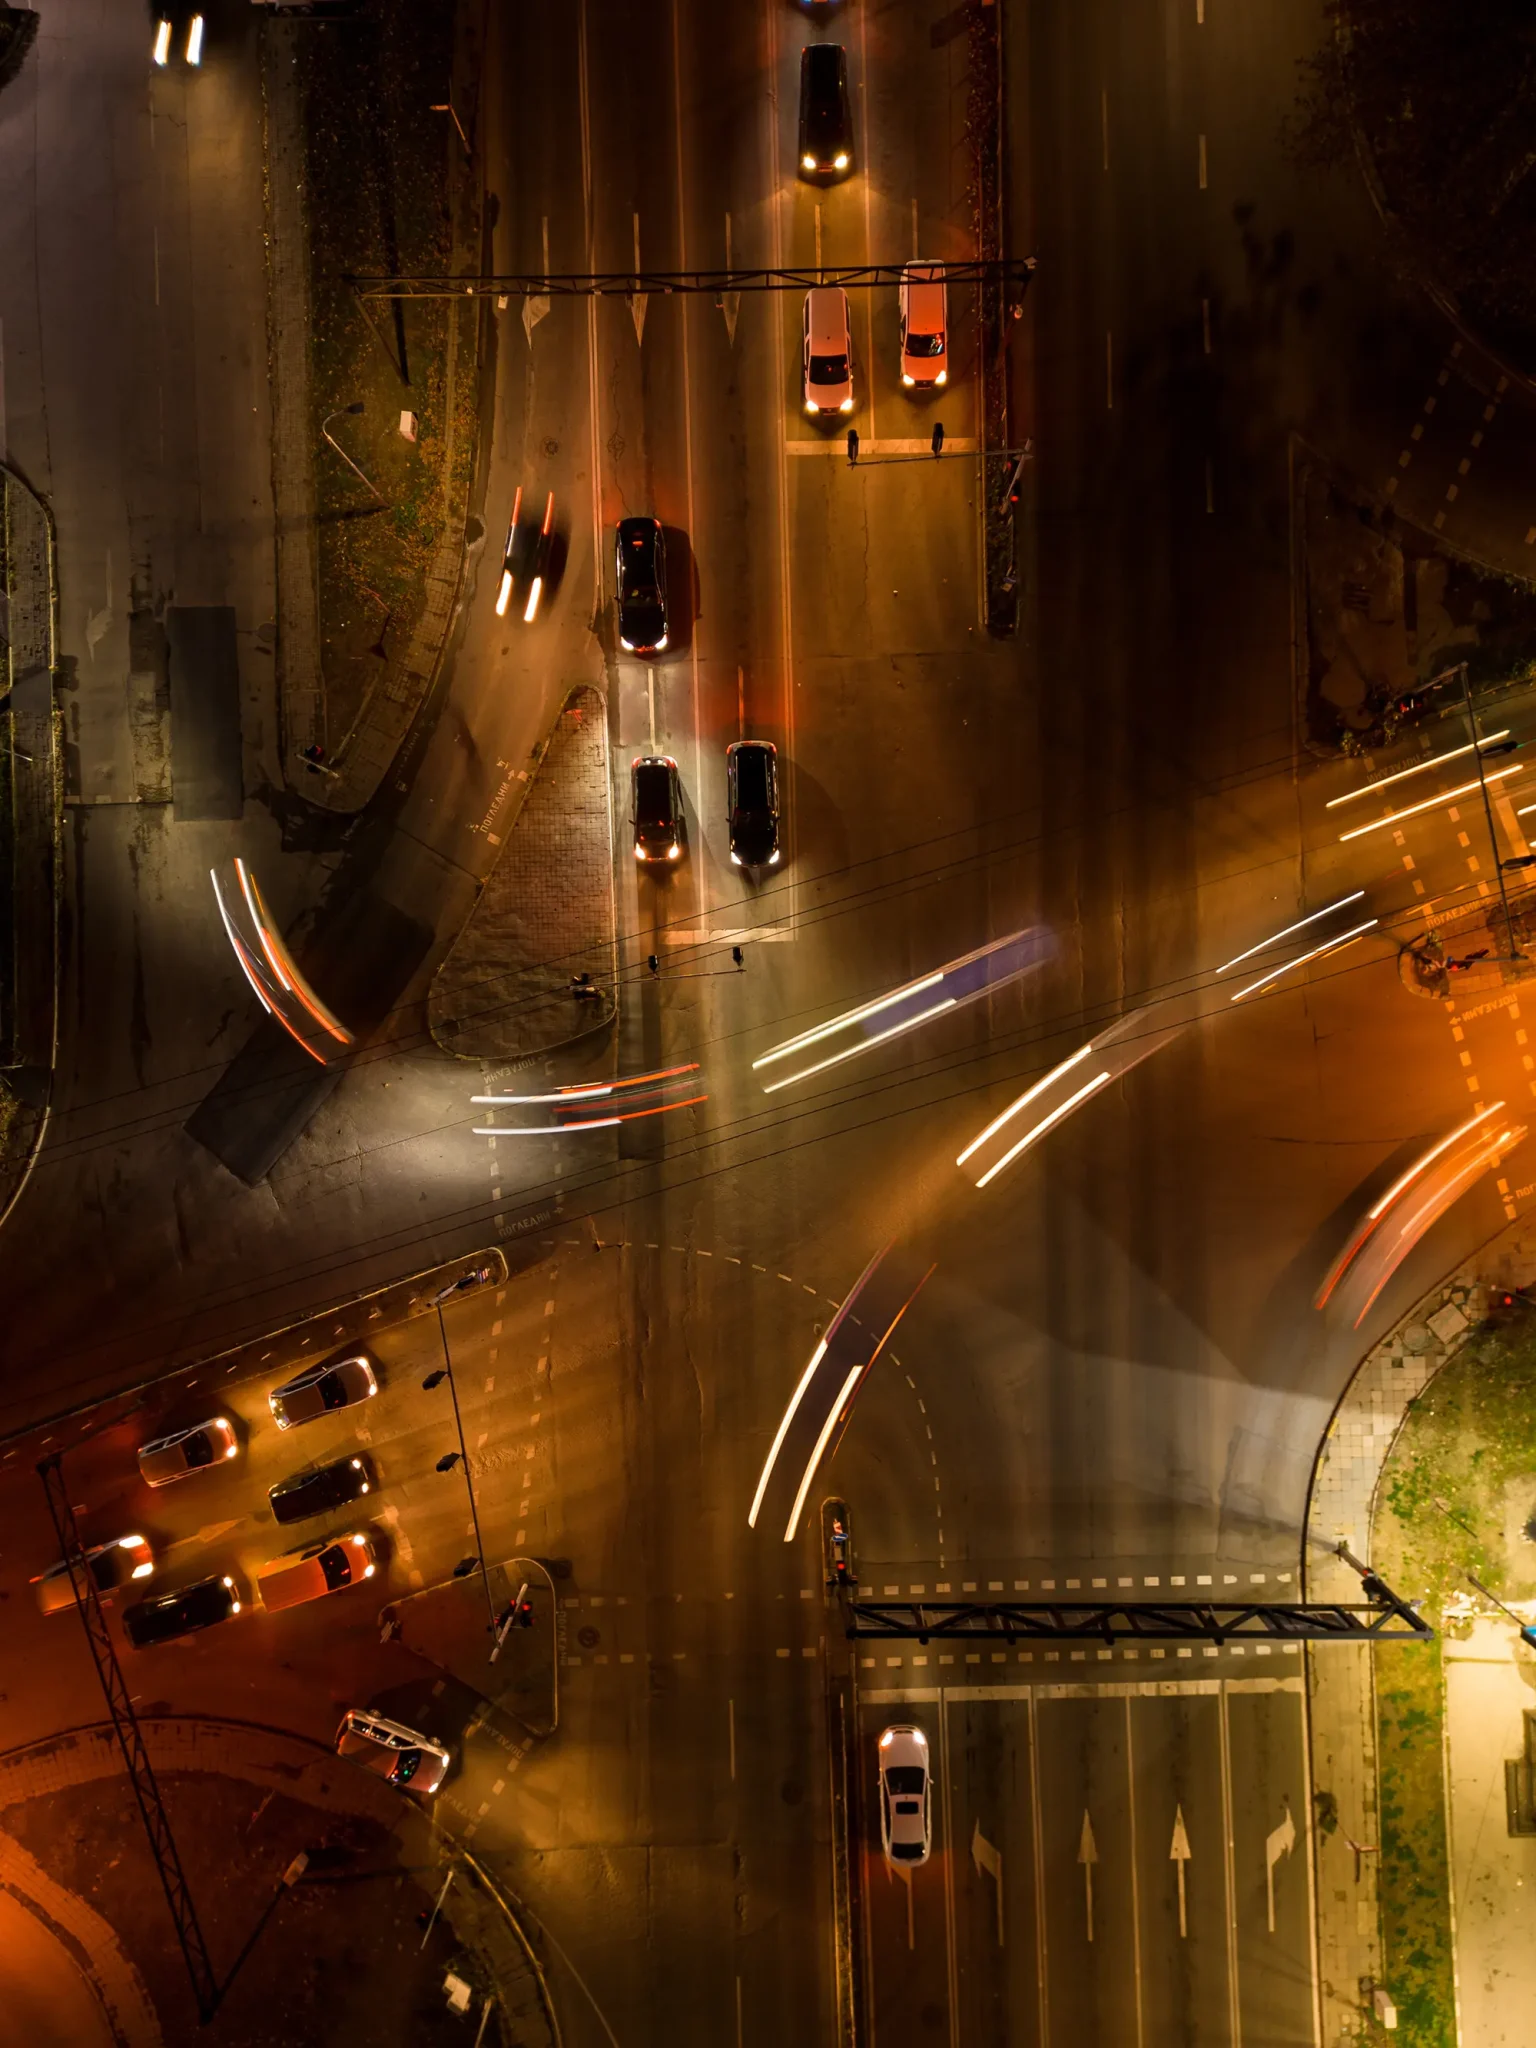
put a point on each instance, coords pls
(887, 1738)
(840, 161)
(908, 381)
(233, 1450)
(626, 645)
(811, 405)
(162, 41)
(808, 163)
(773, 858)
(942, 377)
(142, 1571)
(735, 859)
(368, 1571)
(229, 1582)
(846, 406)
(673, 851)
(661, 645)
(639, 853)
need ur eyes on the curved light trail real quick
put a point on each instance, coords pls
(588, 1094)
(269, 967)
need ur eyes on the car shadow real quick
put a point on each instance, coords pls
(682, 590)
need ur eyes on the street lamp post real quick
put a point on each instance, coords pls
(458, 1422)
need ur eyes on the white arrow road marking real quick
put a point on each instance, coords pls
(637, 299)
(1088, 1855)
(1278, 1842)
(989, 1859)
(1179, 1856)
(536, 306)
(730, 302)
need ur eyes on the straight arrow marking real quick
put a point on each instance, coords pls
(637, 299)
(730, 302)
(1088, 1855)
(1278, 1842)
(1179, 1856)
(989, 1859)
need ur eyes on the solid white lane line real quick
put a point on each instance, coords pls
(1234, 2002)
(1130, 1786)
(593, 397)
(786, 612)
(683, 305)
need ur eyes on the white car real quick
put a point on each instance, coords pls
(166, 1459)
(906, 1821)
(319, 1389)
(828, 351)
(924, 327)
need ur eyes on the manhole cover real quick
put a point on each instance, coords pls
(588, 1637)
(551, 447)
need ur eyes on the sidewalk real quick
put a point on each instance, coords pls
(546, 911)
(345, 1962)
(1343, 1680)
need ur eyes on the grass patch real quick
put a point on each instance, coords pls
(1415, 1853)
(1468, 1443)
(378, 169)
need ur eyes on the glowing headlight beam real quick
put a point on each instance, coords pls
(1434, 1206)
(1039, 1130)
(1488, 739)
(586, 1091)
(1014, 1107)
(1300, 925)
(1406, 1180)
(791, 1045)
(283, 961)
(1344, 939)
(864, 1045)
(783, 1430)
(819, 1448)
(1430, 803)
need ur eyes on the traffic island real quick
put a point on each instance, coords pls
(512, 985)
(327, 1906)
(375, 408)
(1427, 1458)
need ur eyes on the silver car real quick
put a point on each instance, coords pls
(906, 1825)
(169, 1458)
(334, 1383)
(392, 1751)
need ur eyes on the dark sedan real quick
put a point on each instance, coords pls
(321, 1488)
(641, 565)
(195, 1607)
(656, 801)
(752, 803)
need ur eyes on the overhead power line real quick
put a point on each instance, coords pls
(629, 284)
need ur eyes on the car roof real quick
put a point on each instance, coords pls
(822, 63)
(826, 313)
(923, 286)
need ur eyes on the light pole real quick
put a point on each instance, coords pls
(325, 428)
(431, 1380)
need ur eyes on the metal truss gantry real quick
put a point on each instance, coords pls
(130, 1738)
(631, 284)
(1388, 1619)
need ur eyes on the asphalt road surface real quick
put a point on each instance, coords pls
(1114, 1376)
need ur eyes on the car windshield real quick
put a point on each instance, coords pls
(336, 1566)
(198, 1448)
(752, 780)
(333, 1390)
(925, 344)
(905, 1778)
(653, 796)
(829, 369)
(907, 1852)
(408, 1765)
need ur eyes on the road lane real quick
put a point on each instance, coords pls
(1092, 1937)
(1180, 1783)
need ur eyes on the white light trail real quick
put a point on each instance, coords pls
(864, 1045)
(589, 1123)
(1344, 939)
(1406, 1180)
(1039, 1130)
(1300, 924)
(1014, 1107)
(820, 1446)
(1430, 803)
(780, 1052)
(783, 1430)
(1489, 739)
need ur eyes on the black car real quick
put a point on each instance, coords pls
(752, 784)
(321, 1488)
(826, 124)
(656, 805)
(641, 564)
(181, 1614)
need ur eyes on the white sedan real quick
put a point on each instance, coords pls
(906, 1821)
